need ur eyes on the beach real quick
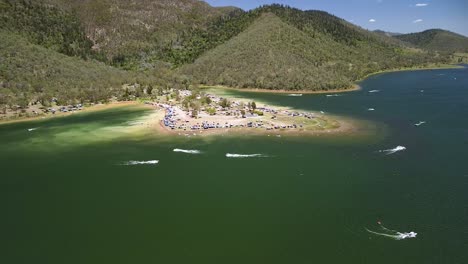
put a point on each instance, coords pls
(85, 109)
(171, 118)
(239, 119)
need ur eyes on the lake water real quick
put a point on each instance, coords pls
(67, 195)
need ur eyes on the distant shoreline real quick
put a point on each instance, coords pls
(431, 67)
(98, 107)
(354, 87)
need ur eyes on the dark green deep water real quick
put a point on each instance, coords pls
(66, 198)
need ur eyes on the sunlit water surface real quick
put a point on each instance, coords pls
(82, 189)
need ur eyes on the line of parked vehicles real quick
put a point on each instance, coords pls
(65, 109)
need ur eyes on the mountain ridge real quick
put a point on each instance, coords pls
(437, 40)
(169, 44)
(335, 59)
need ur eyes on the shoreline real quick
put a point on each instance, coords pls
(154, 123)
(355, 87)
(89, 109)
(325, 124)
(346, 126)
(272, 120)
(431, 67)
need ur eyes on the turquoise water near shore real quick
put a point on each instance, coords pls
(67, 197)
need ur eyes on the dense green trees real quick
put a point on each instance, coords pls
(437, 40)
(198, 40)
(46, 26)
(134, 35)
(273, 54)
(77, 51)
(30, 73)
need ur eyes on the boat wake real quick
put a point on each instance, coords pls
(374, 91)
(32, 129)
(230, 155)
(188, 151)
(144, 162)
(393, 150)
(393, 234)
(420, 123)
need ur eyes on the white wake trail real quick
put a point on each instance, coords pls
(388, 230)
(382, 234)
(32, 129)
(393, 150)
(374, 91)
(231, 155)
(188, 151)
(396, 235)
(137, 162)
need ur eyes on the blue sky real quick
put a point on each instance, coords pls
(402, 16)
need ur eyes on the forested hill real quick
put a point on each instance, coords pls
(77, 47)
(274, 55)
(196, 42)
(47, 26)
(285, 48)
(135, 33)
(30, 73)
(438, 40)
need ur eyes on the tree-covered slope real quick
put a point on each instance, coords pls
(272, 53)
(269, 54)
(273, 47)
(136, 33)
(47, 26)
(313, 22)
(31, 72)
(386, 33)
(438, 40)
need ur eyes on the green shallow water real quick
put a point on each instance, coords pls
(66, 197)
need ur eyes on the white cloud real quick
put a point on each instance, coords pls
(417, 21)
(372, 20)
(421, 4)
